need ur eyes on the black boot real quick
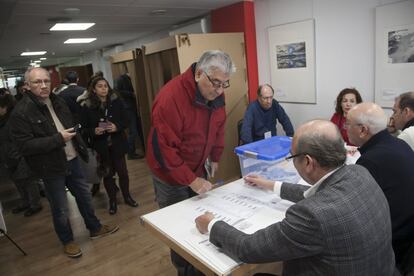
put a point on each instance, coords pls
(95, 189)
(129, 201)
(112, 207)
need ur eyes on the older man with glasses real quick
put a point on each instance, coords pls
(390, 161)
(42, 127)
(339, 226)
(188, 118)
(261, 117)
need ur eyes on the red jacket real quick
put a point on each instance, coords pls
(185, 131)
(339, 120)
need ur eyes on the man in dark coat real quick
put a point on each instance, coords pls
(71, 93)
(41, 125)
(390, 161)
(15, 164)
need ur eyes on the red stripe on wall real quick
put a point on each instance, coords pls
(239, 17)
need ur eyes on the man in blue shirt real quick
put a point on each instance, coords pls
(261, 117)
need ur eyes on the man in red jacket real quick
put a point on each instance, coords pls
(188, 118)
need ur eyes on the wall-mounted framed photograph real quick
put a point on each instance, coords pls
(292, 61)
(394, 51)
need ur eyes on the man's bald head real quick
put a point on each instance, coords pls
(322, 140)
(364, 121)
(369, 114)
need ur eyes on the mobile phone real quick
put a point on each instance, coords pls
(77, 127)
(103, 125)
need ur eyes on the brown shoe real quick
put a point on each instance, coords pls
(105, 230)
(72, 250)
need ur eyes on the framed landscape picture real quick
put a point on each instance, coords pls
(394, 51)
(292, 61)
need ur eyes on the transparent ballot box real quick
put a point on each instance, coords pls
(267, 159)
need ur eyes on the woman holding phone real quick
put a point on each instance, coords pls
(104, 120)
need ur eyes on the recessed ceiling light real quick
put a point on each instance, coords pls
(71, 11)
(71, 26)
(42, 58)
(38, 53)
(158, 12)
(79, 40)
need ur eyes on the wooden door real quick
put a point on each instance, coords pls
(155, 70)
(189, 49)
(84, 73)
(127, 62)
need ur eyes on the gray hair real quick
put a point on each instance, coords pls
(27, 73)
(215, 60)
(374, 118)
(29, 70)
(327, 149)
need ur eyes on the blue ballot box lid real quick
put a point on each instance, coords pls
(270, 149)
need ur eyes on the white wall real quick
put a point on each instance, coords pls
(344, 48)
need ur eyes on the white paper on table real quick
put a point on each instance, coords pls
(247, 208)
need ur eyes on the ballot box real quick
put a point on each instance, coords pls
(267, 158)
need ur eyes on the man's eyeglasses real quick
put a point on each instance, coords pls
(217, 84)
(295, 155)
(39, 82)
(267, 98)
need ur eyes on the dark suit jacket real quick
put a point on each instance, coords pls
(344, 229)
(391, 162)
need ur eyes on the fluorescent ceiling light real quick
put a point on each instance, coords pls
(39, 53)
(43, 58)
(37, 61)
(71, 26)
(79, 40)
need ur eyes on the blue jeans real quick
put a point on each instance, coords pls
(56, 194)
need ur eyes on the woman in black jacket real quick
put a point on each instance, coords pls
(103, 121)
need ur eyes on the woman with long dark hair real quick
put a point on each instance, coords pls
(104, 120)
(346, 99)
